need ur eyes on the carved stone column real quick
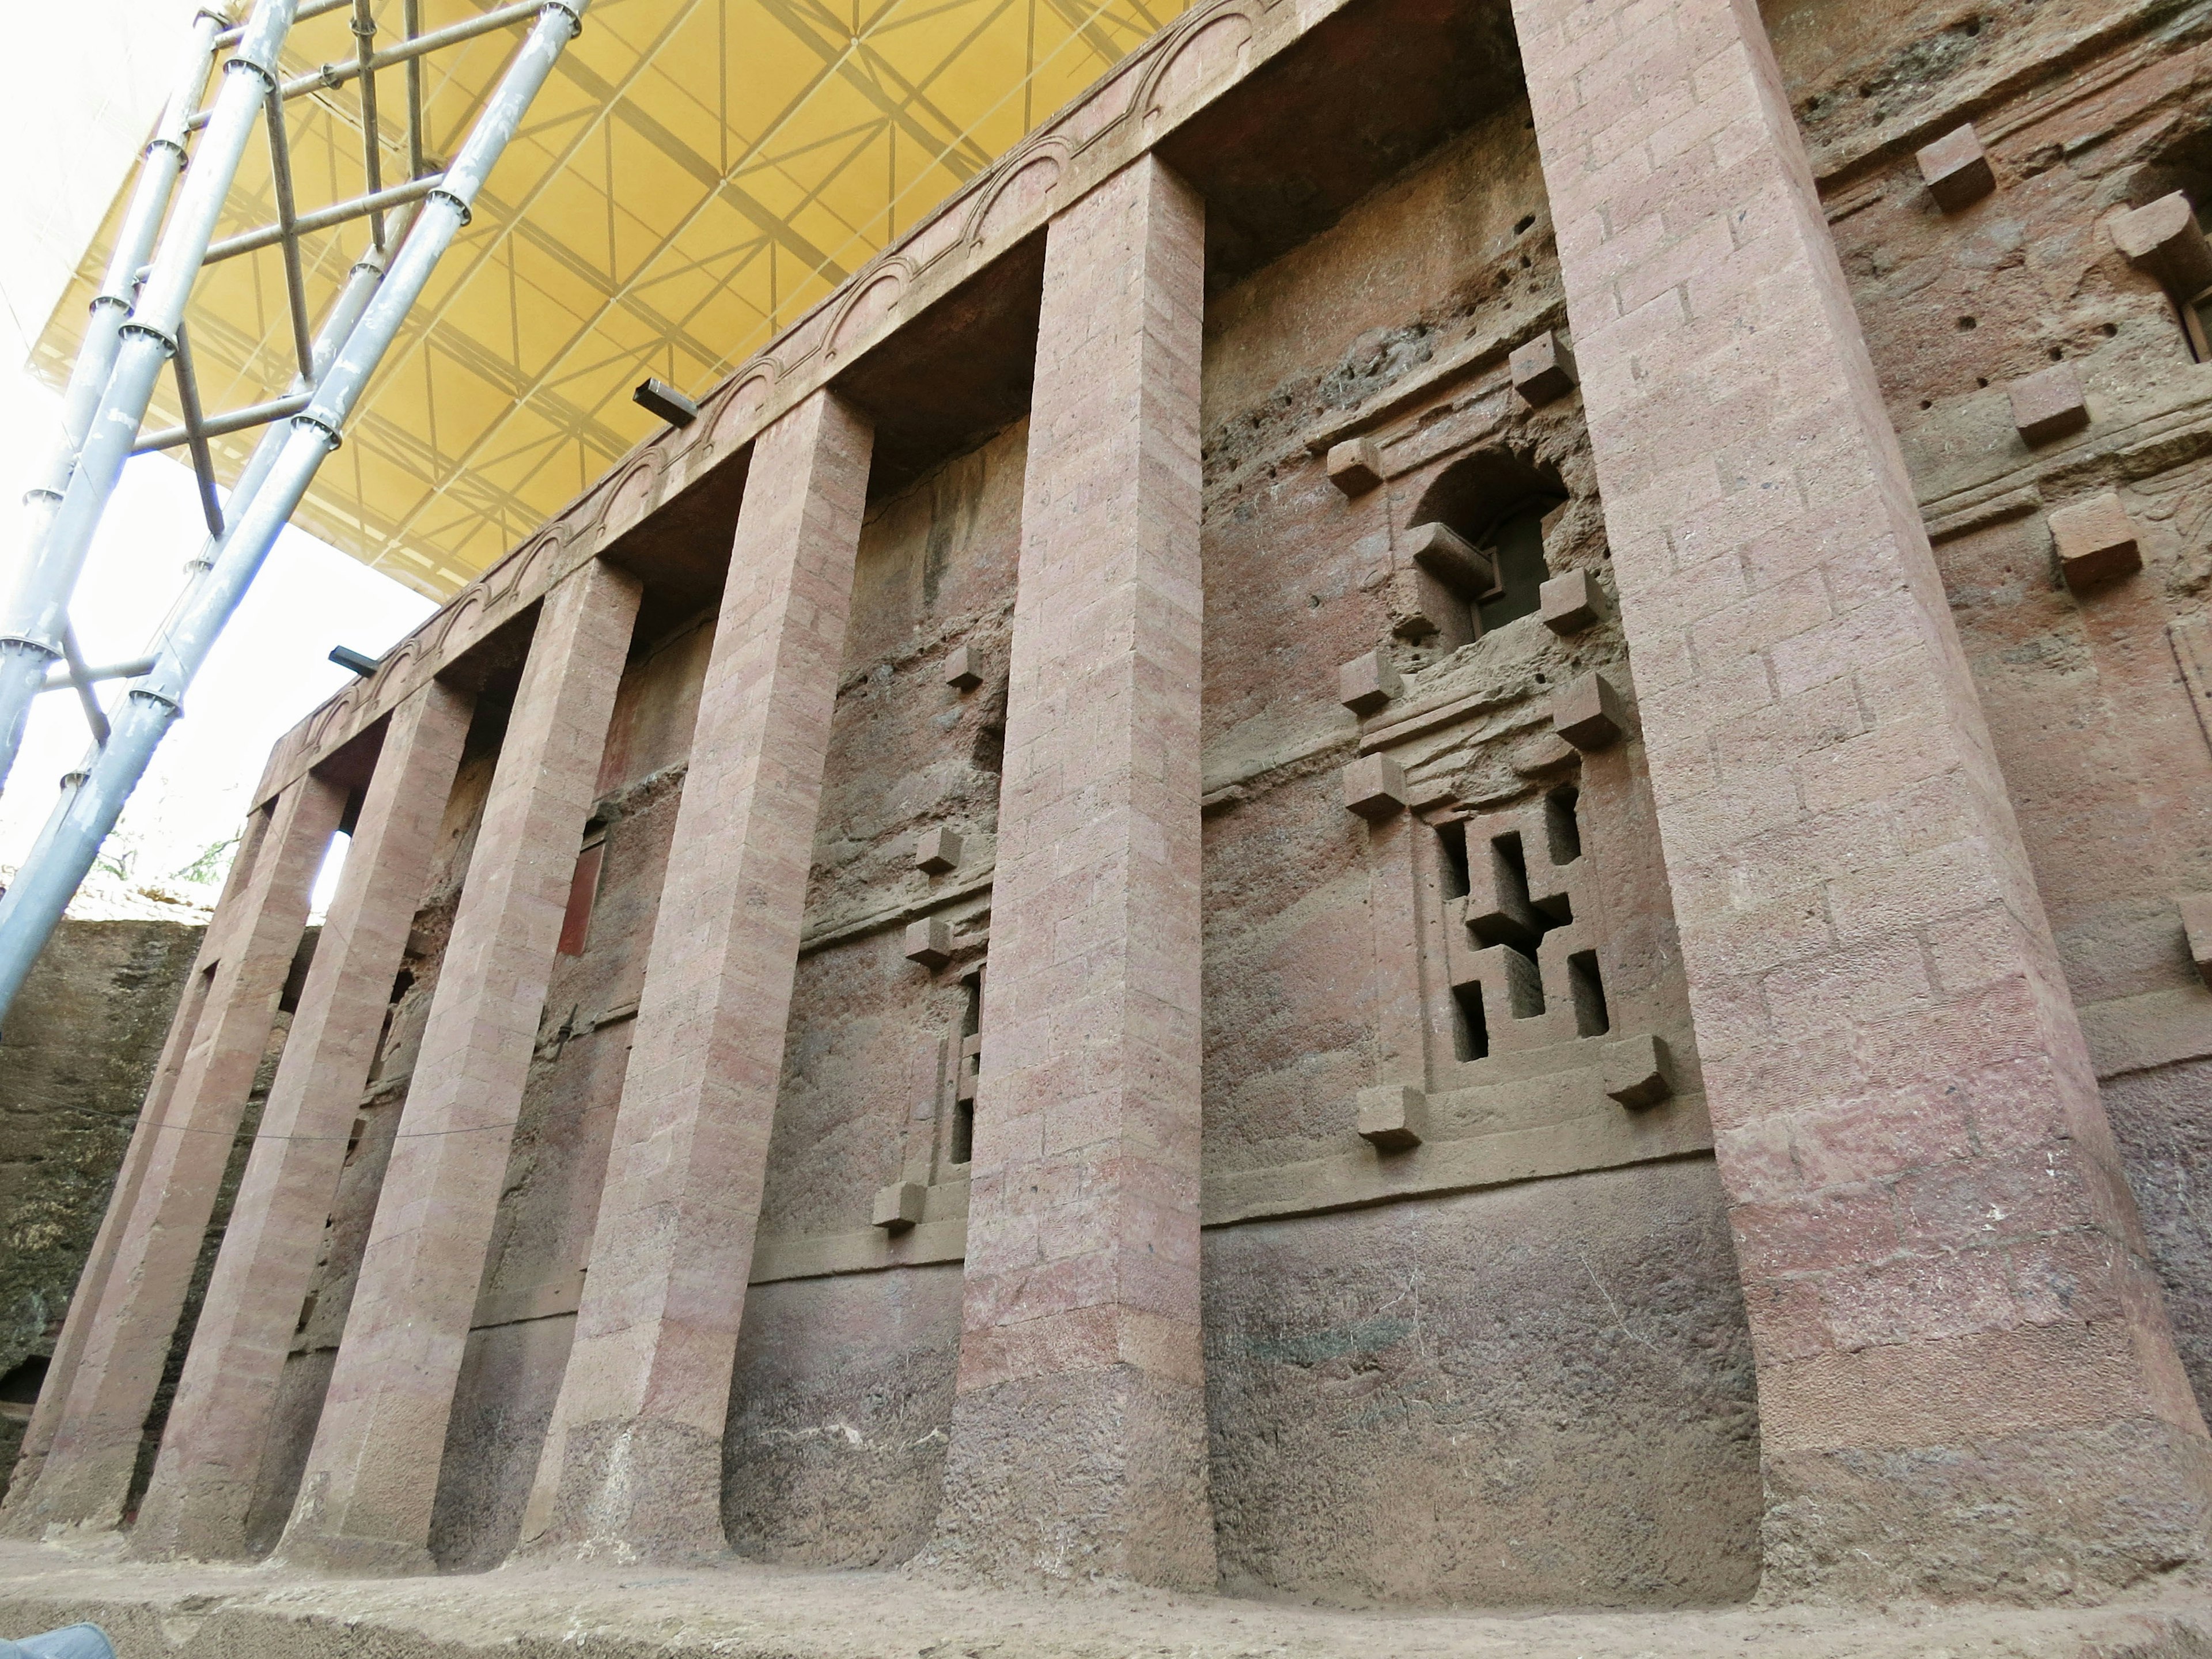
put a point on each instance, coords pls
(372, 1477)
(204, 1479)
(86, 1475)
(1079, 1433)
(633, 1460)
(1953, 1316)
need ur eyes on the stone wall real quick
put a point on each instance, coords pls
(1552, 817)
(80, 1047)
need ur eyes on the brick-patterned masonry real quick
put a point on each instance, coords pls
(360, 1505)
(1476, 958)
(1079, 1438)
(87, 1471)
(633, 1460)
(1943, 1268)
(218, 1428)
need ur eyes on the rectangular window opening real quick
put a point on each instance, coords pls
(1470, 1031)
(1562, 828)
(1524, 985)
(1591, 1019)
(1451, 842)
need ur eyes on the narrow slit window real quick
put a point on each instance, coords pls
(1587, 985)
(961, 1147)
(1562, 827)
(1470, 1031)
(583, 893)
(1524, 985)
(1451, 842)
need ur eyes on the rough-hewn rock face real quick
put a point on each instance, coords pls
(79, 1049)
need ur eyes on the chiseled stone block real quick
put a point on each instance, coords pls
(2163, 239)
(1393, 1117)
(1543, 368)
(1639, 1072)
(929, 942)
(1957, 169)
(898, 1207)
(962, 670)
(1375, 787)
(1588, 713)
(2096, 541)
(2048, 404)
(1468, 571)
(2197, 926)
(1570, 602)
(938, 850)
(1368, 682)
(1355, 466)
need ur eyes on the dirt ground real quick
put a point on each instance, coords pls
(745, 1611)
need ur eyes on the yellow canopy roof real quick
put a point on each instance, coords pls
(695, 175)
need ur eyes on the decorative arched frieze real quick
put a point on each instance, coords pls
(1025, 189)
(872, 298)
(1209, 54)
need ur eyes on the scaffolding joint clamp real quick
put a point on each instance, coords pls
(326, 424)
(53, 651)
(458, 205)
(574, 16)
(166, 340)
(268, 82)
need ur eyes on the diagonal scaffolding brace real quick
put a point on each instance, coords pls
(138, 327)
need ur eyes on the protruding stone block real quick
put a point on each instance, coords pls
(1470, 572)
(1393, 1117)
(1355, 466)
(2096, 541)
(898, 1207)
(1588, 713)
(2197, 926)
(1424, 612)
(1367, 684)
(1957, 169)
(1543, 368)
(2163, 239)
(938, 850)
(929, 942)
(961, 671)
(1639, 1072)
(1571, 602)
(2048, 404)
(1375, 787)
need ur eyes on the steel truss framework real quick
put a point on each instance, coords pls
(693, 177)
(138, 336)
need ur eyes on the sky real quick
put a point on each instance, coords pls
(73, 128)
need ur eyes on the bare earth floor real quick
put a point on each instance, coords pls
(743, 1609)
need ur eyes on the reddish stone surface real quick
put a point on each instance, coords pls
(359, 1506)
(86, 1472)
(1079, 1344)
(633, 1458)
(212, 1449)
(1770, 551)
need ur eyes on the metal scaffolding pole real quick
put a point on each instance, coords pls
(160, 165)
(92, 800)
(37, 609)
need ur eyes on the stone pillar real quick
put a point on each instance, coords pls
(85, 1476)
(211, 1450)
(366, 1496)
(632, 1464)
(1078, 1430)
(92, 1282)
(1953, 1321)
